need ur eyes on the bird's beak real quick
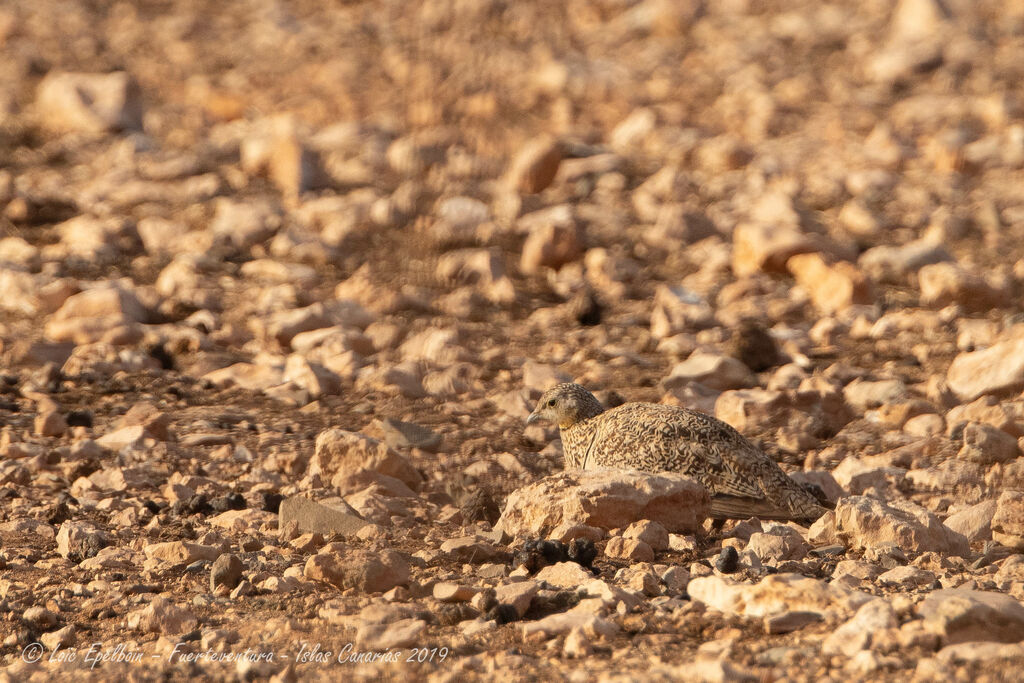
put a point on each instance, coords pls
(533, 418)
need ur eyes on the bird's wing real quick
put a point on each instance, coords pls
(735, 507)
(746, 469)
(713, 453)
(742, 480)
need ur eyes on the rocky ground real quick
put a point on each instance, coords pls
(280, 282)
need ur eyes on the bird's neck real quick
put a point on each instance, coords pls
(588, 407)
(576, 440)
(577, 434)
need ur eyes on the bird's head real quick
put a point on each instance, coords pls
(565, 405)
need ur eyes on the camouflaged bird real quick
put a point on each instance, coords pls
(742, 480)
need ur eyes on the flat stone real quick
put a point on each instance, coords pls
(774, 594)
(369, 572)
(715, 371)
(863, 522)
(564, 574)
(519, 594)
(446, 591)
(787, 622)
(162, 616)
(475, 549)
(560, 624)
(960, 653)
(342, 453)
(398, 434)
(961, 615)
(181, 552)
(907, 577)
(399, 634)
(243, 520)
(126, 437)
(1008, 521)
(996, 370)
(313, 517)
(975, 523)
(606, 499)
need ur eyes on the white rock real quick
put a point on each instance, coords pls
(997, 369)
(864, 522)
(90, 103)
(607, 499)
(856, 634)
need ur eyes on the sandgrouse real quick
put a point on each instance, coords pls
(742, 480)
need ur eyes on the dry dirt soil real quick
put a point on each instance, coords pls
(226, 227)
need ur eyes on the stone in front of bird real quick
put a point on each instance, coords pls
(742, 480)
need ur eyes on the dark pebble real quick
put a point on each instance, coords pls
(79, 418)
(728, 560)
(232, 501)
(271, 502)
(503, 614)
(582, 551)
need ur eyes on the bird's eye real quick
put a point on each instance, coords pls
(551, 403)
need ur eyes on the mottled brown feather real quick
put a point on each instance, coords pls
(742, 479)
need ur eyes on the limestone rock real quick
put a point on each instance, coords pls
(78, 541)
(857, 633)
(369, 572)
(997, 369)
(536, 165)
(715, 371)
(399, 634)
(652, 533)
(975, 523)
(226, 571)
(766, 247)
(474, 550)
(960, 615)
(519, 595)
(678, 310)
(90, 103)
(558, 624)
(341, 453)
(606, 499)
(313, 517)
(630, 549)
(1008, 521)
(987, 445)
(564, 574)
(181, 552)
(553, 241)
(862, 522)
(777, 544)
(162, 616)
(833, 288)
(947, 283)
(893, 264)
(774, 594)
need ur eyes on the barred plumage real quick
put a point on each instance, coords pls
(743, 481)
